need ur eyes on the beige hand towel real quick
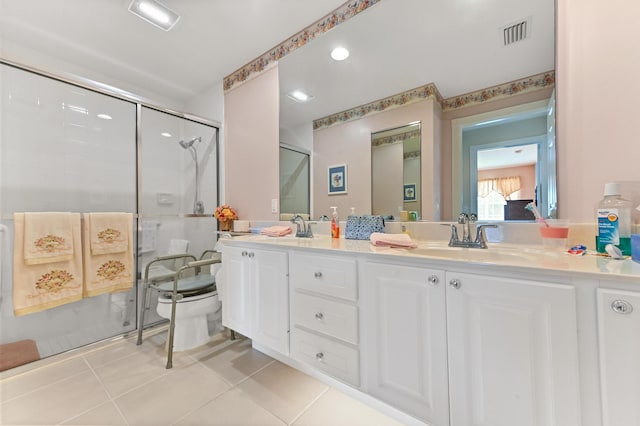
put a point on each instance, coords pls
(109, 232)
(48, 238)
(47, 285)
(107, 273)
(276, 231)
(392, 240)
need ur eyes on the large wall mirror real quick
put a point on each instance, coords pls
(461, 47)
(395, 172)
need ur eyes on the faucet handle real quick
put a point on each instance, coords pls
(481, 236)
(454, 234)
(473, 218)
(463, 218)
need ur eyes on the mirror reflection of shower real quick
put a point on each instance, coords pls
(198, 206)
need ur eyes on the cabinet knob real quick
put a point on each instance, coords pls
(433, 279)
(251, 254)
(319, 316)
(621, 307)
(455, 283)
(244, 253)
(317, 274)
(319, 356)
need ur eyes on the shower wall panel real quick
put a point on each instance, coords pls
(63, 148)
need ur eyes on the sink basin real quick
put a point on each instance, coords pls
(479, 255)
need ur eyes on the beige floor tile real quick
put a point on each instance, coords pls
(233, 361)
(53, 404)
(233, 408)
(337, 409)
(282, 390)
(172, 396)
(103, 415)
(137, 369)
(34, 379)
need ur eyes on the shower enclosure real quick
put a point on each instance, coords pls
(67, 147)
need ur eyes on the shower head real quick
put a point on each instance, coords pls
(189, 144)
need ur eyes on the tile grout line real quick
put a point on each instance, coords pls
(305, 409)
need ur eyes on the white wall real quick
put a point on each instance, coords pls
(598, 125)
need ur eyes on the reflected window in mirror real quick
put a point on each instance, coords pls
(395, 172)
(294, 182)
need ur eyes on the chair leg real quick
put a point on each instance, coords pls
(172, 326)
(144, 303)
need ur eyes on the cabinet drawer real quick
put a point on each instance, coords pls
(337, 319)
(336, 359)
(330, 275)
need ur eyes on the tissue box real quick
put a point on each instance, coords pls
(635, 247)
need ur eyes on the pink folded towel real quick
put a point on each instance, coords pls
(381, 239)
(276, 231)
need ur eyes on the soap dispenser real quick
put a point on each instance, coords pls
(335, 224)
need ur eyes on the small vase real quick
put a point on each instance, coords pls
(225, 225)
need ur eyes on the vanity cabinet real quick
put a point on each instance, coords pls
(404, 342)
(513, 351)
(619, 343)
(324, 314)
(256, 296)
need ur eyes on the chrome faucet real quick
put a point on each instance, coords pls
(466, 220)
(303, 229)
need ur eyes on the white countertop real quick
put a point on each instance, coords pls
(514, 256)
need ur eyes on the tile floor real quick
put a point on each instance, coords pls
(223, 383)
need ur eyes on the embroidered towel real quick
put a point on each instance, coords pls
(48, 237)
(109, 232)
(46, 285)
(392, 240)
(107, 273)
(276, 231)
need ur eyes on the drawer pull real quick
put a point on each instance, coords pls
(251, 254)
(244, 253)
(319, 356)
(319, 316)
(455, 283)
(621, 307)
(317, 274)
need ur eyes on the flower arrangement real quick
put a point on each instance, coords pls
(225, 213)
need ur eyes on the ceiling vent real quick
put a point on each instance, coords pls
(516, 32)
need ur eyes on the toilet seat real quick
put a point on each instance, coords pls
(165, 297)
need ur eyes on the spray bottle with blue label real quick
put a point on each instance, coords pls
(614, 221)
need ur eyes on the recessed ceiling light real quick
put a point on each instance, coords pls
(165, 134)
(300, 96)
(339, 54)
(104, 116)
(154, 13)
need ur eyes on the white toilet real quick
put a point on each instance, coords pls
(191, 329)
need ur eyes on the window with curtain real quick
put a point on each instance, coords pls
(492, 196)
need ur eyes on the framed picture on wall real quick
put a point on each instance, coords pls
(338, 179)
(409, 192)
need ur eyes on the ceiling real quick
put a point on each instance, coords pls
(396, 45)
(103, 41)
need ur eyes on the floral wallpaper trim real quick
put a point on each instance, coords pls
(418, 94)
(502, 91)
(337, 17)
(390, 140)
(526, 85)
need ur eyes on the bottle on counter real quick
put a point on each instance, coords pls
(335, 223)
(614, 221)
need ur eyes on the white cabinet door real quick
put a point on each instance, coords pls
(619, 340)
(513, 357)
(238, 294)
(404, 352)
(271, 320)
